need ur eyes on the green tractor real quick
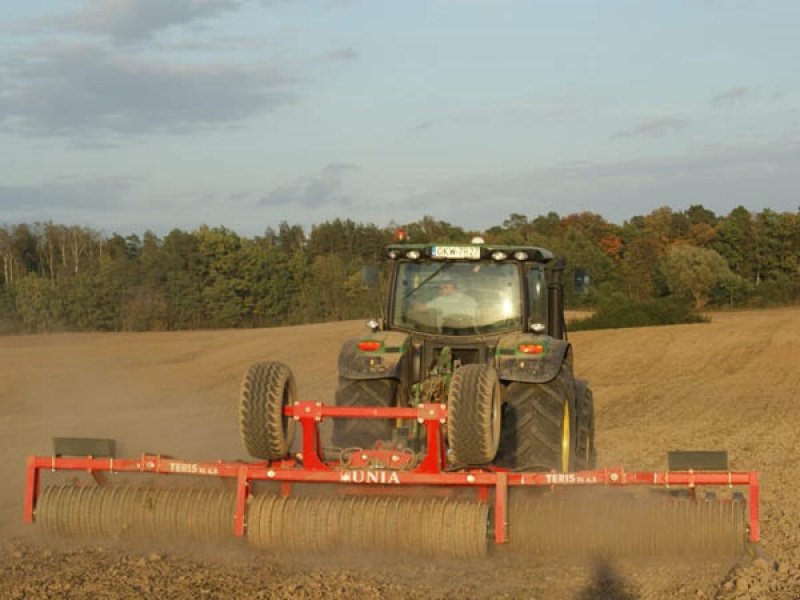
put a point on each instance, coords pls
(479, 327)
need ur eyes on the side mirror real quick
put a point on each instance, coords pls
(581, 282)
(370, 276)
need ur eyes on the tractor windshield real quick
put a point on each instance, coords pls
(457, 298)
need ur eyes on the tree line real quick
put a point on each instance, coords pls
(72, 278)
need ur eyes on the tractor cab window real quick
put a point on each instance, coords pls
(457, 298)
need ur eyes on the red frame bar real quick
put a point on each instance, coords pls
(310, 467)
(501, 509)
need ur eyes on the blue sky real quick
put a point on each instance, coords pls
(125, 115)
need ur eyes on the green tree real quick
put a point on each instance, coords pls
(224, 290)
(697, 214)
(10, 321)
(266, 270)
(737, 242)
(584, 254)
(39, 305)
(429, 229)
(95, 295)
(694, 272)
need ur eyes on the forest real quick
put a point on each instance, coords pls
(73, 278)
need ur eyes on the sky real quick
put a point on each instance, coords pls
(128, 115)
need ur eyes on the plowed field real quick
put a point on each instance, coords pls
(731, 384)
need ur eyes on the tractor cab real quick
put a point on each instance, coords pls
(467, 290)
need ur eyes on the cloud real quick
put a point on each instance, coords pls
(322, 189)
(756, 176)
(423, 126)
(653, 128)
(65, 195)
(732, 96)
(339, 54)
(126, 21)
(91, 89)
(231, 43)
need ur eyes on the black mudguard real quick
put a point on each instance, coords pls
(514, 365)
(385, 362)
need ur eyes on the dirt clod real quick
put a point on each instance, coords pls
(762, 564)
(742, 584)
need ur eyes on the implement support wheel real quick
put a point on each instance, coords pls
(473, 424)
(267, 388)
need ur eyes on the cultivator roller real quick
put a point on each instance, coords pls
(195, 515)
(626, 524)
(428, 527)
(381, 499)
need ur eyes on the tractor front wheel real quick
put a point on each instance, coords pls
(473, 422)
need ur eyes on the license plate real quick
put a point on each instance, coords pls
(468, 252)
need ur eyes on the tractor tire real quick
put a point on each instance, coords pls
(363, 433)
(585, 456)
(474, 412)
(267, 388)
(538, 425)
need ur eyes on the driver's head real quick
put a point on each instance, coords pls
(447, 287)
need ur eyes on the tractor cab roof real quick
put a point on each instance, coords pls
(471, 251)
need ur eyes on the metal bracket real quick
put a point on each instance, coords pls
(308, 409)
(432, 412)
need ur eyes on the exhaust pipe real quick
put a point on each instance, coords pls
(555, 300)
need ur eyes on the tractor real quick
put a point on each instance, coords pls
(480, 328)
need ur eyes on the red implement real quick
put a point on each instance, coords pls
(385, 471)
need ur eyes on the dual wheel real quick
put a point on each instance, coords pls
(473, 425)
(548, 425)
(525, 426)
(269, 387)
(541, 426)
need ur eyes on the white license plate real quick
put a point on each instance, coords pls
(469, 252)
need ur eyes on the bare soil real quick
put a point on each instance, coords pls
(731, 384)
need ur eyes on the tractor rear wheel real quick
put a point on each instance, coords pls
(538, 425)
(265, 431)
(363, 433)
(473, 423)
(585, 456)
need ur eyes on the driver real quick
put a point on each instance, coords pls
(450, 300)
